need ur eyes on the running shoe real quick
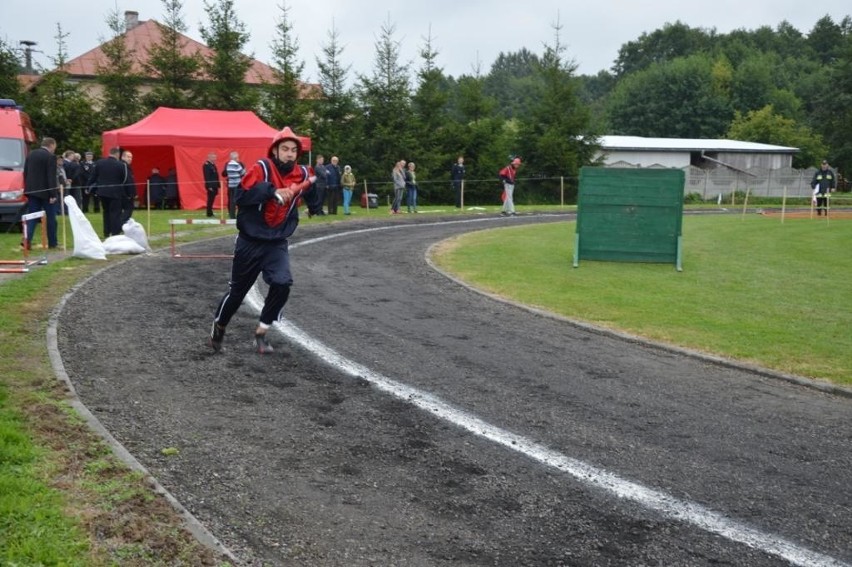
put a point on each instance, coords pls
(217, 335)
(263, 346)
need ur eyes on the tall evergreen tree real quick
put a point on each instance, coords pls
(281, 103)
(480, 132)
(174, 71)
(471, 101)
(430, 116)
(555, 136)
(335, 124)
(386, 103)
(225, 87)
(120, 100)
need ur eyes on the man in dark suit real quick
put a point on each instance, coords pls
(156, 189)
(87, 168)
(41, 189)
(129, 201)
(211, 181)
(110, 180)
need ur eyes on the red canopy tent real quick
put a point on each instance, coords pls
(182, 138)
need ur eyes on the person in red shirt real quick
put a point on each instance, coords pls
(507, 176)
(268, 214)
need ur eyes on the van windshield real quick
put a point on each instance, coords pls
(12, 154)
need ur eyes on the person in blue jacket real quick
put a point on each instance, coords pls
(268, 214)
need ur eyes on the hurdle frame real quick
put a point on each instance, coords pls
(173, 246)
(23, 266)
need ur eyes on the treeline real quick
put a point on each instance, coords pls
(770, 85)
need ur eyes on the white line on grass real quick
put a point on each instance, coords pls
(665, 504)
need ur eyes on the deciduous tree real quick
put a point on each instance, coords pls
(766, 127)
(60, 109)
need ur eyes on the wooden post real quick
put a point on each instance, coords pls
(64, 214)
(148, 200)
(784, 204)
(367, 197)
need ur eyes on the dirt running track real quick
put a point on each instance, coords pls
(292, 460)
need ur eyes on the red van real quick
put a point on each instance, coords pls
(16, 136)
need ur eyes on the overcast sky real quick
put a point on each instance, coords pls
(462, 31)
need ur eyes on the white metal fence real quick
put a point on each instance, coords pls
(759, 182)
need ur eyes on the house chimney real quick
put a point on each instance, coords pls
(131, 20)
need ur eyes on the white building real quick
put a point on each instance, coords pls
(713, 167)
(636, 151)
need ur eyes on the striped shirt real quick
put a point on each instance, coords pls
(234, 171)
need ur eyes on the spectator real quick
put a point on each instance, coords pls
(61, 184)
(457, 175)
(321, 182)
(87, 168)
(71, 166)
(110, 180)
(348, 182)
(172, 198)
(156, 189)
(211, 181)
(398, 186)
(823, 183)
(507, 176)
(128, 200)
(233, 173)
(332, 179)
(267, 216)
(411, 188)
(40, 187)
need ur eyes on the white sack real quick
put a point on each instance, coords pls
(136, 231)
(122, 244)
(86, 241)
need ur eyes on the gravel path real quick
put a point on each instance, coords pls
(297, 459)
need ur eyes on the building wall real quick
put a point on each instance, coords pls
(741, 160)
(647, 159)
(737, 160)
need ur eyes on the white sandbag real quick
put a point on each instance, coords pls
(122, 244)
(87, 244)
(136, 231)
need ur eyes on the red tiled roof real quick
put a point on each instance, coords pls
(28, 81)
(146, 34)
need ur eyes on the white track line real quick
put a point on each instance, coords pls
(665, 504)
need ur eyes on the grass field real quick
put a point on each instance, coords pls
(752, 288)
